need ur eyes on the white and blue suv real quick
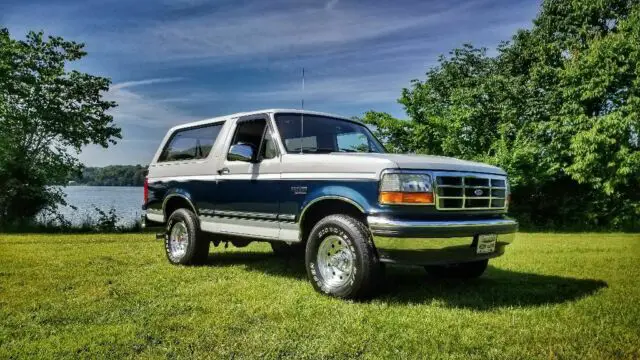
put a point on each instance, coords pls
(323, 186)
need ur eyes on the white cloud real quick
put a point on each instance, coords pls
(256, 31)
(136, 108)
(368, 89)
(331, 4)
(128, 84)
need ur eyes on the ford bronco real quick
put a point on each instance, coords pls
(322, 185)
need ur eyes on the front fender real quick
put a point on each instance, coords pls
(353, 195)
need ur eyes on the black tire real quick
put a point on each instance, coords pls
(287, 250)
(468, 270)
(358, 244)
(197, 246)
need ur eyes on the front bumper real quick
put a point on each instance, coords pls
(419, 242)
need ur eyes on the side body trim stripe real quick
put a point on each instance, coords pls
(285, 176)
(252, 228)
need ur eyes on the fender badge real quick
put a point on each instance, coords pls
(299, 190)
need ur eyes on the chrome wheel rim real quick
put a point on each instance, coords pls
(178, 240)
(336, 261)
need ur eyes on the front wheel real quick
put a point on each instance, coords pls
(340, 258)
(468, 270)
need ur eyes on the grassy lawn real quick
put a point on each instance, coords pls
(551, 295)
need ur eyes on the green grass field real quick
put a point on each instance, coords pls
(550, 296)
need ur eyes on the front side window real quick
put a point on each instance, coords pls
(191, 144)
(322, 134)
(249, 132)
(256, 134)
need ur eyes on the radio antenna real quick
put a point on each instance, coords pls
(302, 114)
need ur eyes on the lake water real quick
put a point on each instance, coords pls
(126, 200)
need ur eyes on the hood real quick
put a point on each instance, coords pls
(430, 162)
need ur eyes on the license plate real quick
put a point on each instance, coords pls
(486, 243)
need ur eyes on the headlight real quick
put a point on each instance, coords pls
(406, 188)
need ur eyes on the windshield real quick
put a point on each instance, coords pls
(322, 134)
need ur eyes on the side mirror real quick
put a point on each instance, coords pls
(241, 152)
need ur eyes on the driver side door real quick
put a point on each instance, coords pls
(248, 192)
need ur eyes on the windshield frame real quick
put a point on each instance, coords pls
(367, 132)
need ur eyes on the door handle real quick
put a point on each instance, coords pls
(223, 171)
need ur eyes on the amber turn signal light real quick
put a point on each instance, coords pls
(397, 197)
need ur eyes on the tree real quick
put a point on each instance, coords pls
(47, 114)
(113, 175)
(558, 107)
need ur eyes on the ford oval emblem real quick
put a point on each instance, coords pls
(478, 192)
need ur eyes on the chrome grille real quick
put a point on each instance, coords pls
(456, 191)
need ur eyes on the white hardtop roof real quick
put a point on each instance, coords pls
(257, 112)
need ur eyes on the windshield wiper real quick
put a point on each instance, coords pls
(317, 150)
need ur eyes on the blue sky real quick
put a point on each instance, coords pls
(174, 61)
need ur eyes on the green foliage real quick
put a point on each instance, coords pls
(107, 220)
(47, 114)
(558, 108)
(114, 175)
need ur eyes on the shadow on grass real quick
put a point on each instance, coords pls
(264, 262)
(497, 288)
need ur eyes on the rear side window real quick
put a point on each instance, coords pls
(191, 144)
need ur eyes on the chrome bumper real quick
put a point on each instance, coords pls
(152, 218)
(417, 242)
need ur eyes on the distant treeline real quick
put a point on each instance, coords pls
(114, 175)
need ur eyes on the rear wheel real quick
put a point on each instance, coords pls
(184, 243)
(468, 270)
(340, 258)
